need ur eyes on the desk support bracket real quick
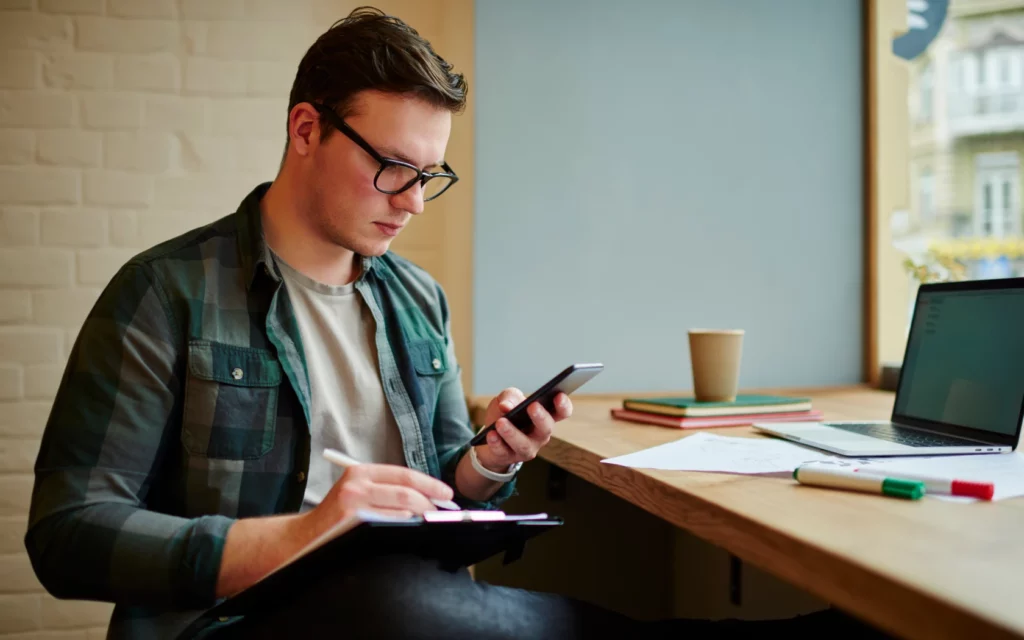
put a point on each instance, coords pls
(557, 479)
(735, 581)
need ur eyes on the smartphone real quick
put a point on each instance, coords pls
(569, 380)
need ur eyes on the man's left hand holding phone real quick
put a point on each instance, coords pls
(507, 445)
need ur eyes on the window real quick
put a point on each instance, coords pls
(925, 97)
(960, 176)
(926, 197)
(996, 189)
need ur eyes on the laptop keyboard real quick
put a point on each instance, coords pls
(902, 435)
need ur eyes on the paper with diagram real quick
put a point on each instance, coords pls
(709, 452)
(714, 453)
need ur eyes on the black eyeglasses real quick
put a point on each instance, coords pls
(394, 176)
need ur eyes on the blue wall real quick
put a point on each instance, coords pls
(643, 167)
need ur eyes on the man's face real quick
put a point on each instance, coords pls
(346, 208)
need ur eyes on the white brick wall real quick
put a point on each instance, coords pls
(122, 123)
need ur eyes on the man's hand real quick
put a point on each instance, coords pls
(507, 445)
(387, 489)
(255, 546)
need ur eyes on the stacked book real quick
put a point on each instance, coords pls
(688, 413)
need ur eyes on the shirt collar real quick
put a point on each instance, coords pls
(254, 253)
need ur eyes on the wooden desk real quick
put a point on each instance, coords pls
(926, 569)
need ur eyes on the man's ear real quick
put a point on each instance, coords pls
(303, 128)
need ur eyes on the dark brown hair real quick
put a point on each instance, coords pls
(372, 50)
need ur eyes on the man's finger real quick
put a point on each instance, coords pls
(393, 474)
(399, 498)
(509, 398)
(543, 423)
(498, 447)
(516, 440)
(563, 407)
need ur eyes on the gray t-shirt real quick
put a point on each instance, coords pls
(349, 411)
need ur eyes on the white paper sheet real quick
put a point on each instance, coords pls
(710, 452)
(1005, 470)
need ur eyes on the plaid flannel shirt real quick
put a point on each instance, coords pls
(185, 405)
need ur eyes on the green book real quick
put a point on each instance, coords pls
(743, 405)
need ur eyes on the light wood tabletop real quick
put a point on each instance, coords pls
(922, 569)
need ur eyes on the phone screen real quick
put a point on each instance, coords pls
(569, 380)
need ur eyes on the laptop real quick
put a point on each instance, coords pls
(961, 386)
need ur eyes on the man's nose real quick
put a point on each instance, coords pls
(410, 200)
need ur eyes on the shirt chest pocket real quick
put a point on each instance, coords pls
(230, 401)
(430, 363)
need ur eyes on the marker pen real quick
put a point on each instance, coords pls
(838, 478)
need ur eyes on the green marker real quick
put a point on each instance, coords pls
(842, 478)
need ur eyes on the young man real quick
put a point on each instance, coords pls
(182, 458)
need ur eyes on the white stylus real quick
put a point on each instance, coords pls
(340, 459)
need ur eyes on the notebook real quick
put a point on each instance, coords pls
(714, 421)
(744, 404)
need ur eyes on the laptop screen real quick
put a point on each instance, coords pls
(964, 363)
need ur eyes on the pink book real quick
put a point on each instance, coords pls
(715, 421)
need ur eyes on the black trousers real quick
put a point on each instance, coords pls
(408, 597)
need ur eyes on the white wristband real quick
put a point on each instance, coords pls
(491, 475)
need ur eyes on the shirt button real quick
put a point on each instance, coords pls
(435, 363)
(300, 476)
(236, 373)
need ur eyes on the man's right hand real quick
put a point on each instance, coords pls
(386, 489)
(255, 546)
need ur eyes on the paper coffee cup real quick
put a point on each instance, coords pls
(715, 362)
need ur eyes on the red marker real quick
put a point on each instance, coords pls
(933, 484)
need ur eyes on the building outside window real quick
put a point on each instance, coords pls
(967, 141)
